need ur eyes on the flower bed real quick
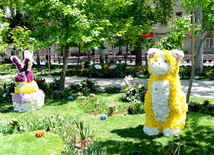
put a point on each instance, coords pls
(206, 107)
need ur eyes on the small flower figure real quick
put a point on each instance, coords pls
(40, 133)
(111, 109)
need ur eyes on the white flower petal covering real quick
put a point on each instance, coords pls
(150, 131)
(160, 99)
(171, 132)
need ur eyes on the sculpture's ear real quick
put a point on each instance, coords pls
(178, 54)
(152, 51)
(28, 60)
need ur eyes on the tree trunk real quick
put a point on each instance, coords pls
(37, 57)
(200, 40)
(78, 59)
(101, 55)
(64, 68)
(199, 67)
(138, 59)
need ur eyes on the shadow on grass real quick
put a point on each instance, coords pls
(196, 139)
(6, 107)
(56, 102)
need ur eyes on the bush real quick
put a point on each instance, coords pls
(88, 85)
(133, 93)
(6, 90)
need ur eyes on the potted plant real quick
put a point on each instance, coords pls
(84, 132)
(141, 73)
(196, 76)
(188, 60)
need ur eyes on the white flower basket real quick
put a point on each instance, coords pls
(196, 77)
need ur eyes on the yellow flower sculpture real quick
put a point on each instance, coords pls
(165, 103)
(105, 66)
(30, 88)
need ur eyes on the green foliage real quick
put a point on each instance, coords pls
(133, 93)
(91, 104)
(206, 107)
(135, 108)
(88, 85)
(117, 72)
(84, 132)
(22, 38)
(173, 40)
(6, 89)
(51, 89)
(3, 30)
(172, 150)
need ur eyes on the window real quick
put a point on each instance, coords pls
(209, 43)
(163, 21)
(178, 14)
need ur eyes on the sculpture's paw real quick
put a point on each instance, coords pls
(171, 132)
(150, 131)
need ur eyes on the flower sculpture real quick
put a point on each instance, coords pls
(98, 66)
(112, 67)
(105, 66)
(165, 102)
(27, 96)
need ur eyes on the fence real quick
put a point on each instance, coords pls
(74, 59)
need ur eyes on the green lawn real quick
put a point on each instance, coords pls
(118, 134)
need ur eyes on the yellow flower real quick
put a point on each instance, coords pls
(30, 88)
(1, 66)
(126, 89)
(16, 89)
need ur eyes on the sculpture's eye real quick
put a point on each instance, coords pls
(165, 61)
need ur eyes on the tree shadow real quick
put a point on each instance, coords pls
(56, 102)
(6, 107)
(195, 139)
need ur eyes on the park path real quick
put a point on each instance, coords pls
(199, 88)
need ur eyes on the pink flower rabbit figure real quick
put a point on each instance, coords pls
(27, 96)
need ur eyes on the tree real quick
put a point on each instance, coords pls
(174, 39)
(138, 18)
(205, 22)
(81, 22)
(3, 28)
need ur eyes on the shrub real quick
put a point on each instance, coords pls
(133, 93)
(88, 85)
(91, 104)
(6, 89)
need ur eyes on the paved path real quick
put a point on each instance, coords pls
(199, 88)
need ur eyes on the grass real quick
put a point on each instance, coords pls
(27, 143)
(117, 134)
